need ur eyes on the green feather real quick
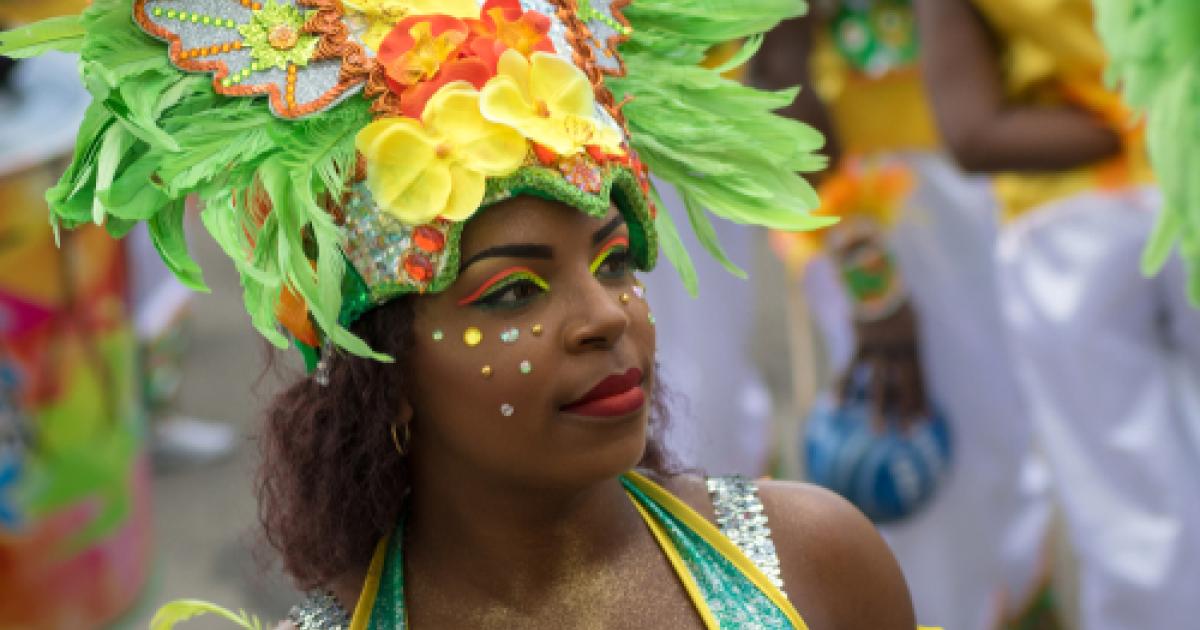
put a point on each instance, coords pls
(1154, 52)
(720, 143)
(707, 236)
(672, 245)
(65, 34)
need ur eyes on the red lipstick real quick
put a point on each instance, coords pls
(617, 395)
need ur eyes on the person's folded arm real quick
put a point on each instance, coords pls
(983, 132)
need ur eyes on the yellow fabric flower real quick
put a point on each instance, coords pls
(437, 167)
(548, 100)
(380, 16)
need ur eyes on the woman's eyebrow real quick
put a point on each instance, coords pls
(513, 250)
(603, 232)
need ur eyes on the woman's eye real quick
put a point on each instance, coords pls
(614, 265)
(513, 294)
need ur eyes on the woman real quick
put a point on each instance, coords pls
(527, 519)
(444, 212)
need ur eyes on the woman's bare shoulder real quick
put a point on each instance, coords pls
(834, 559)
(837, 570)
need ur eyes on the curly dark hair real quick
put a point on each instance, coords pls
(330, 483)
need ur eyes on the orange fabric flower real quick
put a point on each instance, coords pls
(504, 25)
(423, 54)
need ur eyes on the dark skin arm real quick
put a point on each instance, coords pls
(961, 65)
(836, 568)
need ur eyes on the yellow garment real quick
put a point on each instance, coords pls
(872, 114)
(25, 11)
(1052, 56)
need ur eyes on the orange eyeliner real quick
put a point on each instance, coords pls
(500, 277)
(609, 246)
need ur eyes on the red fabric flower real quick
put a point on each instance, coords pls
(424, 53)
(502, 25)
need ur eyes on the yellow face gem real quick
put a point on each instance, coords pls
(486, 371)
(625, 298)
(536, 330)
(472, 337)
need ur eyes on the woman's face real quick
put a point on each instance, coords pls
(536, 365)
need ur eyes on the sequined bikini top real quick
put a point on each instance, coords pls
(730, 572)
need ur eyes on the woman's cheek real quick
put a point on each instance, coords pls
(497, 364)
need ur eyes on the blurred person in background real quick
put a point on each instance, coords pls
(1107, 358)
(75, 534)
(903, 292)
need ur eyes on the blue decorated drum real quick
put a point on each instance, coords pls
(888, 473)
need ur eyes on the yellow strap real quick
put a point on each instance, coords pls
(366, 599)
(681, 570)
(712, 536)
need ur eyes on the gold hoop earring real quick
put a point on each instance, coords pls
(402, 450)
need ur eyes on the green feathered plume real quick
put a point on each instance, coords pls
(154, 135)
(1154, 49)
(717, 141)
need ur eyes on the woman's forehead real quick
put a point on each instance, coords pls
(529, 219)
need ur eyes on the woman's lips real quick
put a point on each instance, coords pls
(617, 395)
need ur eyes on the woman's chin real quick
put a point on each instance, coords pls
(599, 455)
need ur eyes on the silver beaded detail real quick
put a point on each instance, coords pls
(741, 518)
(319, 611)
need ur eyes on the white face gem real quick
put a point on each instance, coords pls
(639, 291)
(526, 367)
(510, 336)
(507, 410)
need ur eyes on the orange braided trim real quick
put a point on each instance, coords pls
(578, 34)
(336, 42)
(221, 71)
(384, 102)
(618, 38)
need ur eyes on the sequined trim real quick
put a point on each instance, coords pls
(741, 518)
(319, 611)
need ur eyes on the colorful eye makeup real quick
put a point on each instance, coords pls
(490, 292)
(614, 245)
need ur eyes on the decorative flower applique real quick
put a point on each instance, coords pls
(374, 19)
(276, 37)
(296, 52)
(550, 101)
(437, 167)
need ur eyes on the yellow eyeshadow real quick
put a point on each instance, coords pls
(618, 243)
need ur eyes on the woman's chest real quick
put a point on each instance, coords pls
(642, 592)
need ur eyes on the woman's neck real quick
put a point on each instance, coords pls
(511, 541)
